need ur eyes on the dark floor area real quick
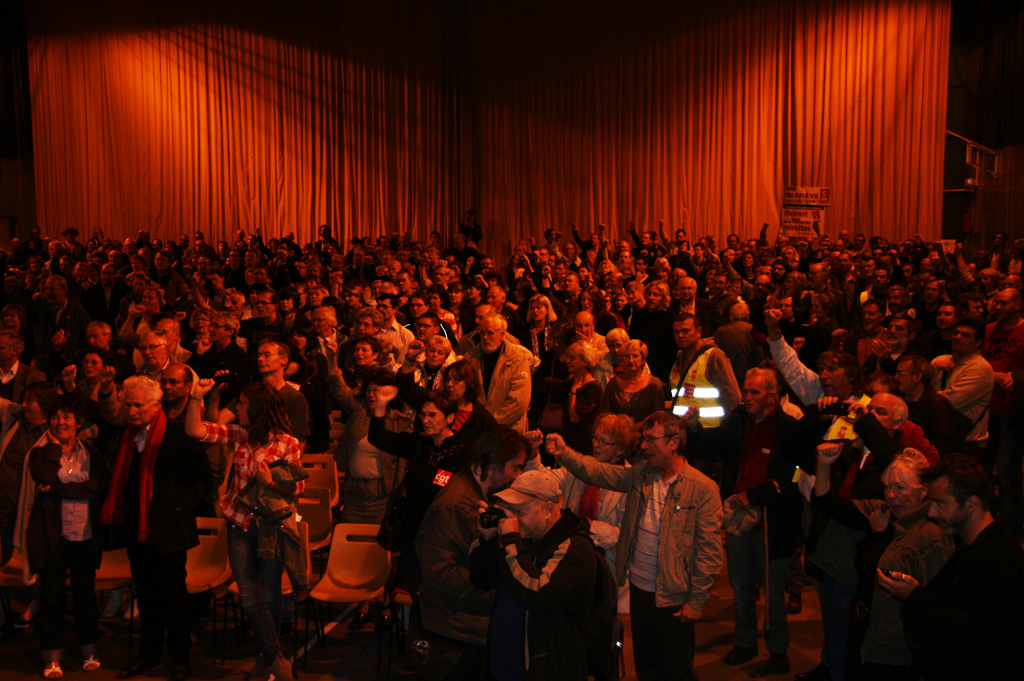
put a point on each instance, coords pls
(349, 655)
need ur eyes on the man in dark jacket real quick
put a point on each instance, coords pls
(543, 563)
(758, 474)
(966, 623)
(450, 604)
(942, 424)
(158, 481)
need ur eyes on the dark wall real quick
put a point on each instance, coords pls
(986, 103)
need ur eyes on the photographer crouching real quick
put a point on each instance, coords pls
(542, 562)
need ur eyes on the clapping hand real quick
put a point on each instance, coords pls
(415, 349)
(107, 376)
(386, 393)
(68, 376)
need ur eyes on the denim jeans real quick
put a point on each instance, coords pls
(836, 606)
(259, 588)
(745, 560)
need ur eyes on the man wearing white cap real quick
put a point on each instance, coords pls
(542, 561)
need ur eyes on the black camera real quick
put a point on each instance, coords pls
(837, 409)
(490, 518)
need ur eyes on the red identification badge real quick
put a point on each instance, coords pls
(441, 478)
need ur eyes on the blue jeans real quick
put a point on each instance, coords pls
(836, 607)
(745, 560)
(259, 588)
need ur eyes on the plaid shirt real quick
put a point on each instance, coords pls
(246, 460)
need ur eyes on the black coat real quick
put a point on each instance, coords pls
(553, 580)
(44, 523)
(967, 624)
(783, 504)
(96, 305)
(476, 425)
(181, 479)
(938, 419)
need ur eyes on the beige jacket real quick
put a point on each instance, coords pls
(508, 396)
(690, 546)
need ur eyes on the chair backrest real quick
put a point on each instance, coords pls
(15, 572)
(318, 461)
(323, 472)
(356, 560)
(315, 508)
(212, 550)
(114, 570)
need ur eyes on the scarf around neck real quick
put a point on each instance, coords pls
(113, 506)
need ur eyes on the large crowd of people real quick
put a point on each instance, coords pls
(597, 425)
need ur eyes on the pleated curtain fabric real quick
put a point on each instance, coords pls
(393, 116)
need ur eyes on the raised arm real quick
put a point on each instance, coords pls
(398, 444)
(801, 379)
(195, 427)
(590, 470)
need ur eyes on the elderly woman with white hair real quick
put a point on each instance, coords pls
(582, 396)
(612, 361)
(632, 391)
(898, 540)
(615, 439)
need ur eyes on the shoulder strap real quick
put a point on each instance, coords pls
(682, 374)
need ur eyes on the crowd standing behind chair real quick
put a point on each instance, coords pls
(430, 349)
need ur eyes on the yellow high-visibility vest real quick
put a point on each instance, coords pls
(697, 392)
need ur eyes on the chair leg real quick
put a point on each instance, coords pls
(5, 601)
(131, 621)
(213, 646)
(305, 637)
(380, 636)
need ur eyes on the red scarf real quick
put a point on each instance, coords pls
(113, 506)
(590, 502)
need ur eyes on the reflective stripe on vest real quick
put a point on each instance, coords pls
(698, 392)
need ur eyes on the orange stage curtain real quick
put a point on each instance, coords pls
(395, 116)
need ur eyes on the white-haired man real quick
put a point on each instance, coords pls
(159, 479)
(505, 369)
